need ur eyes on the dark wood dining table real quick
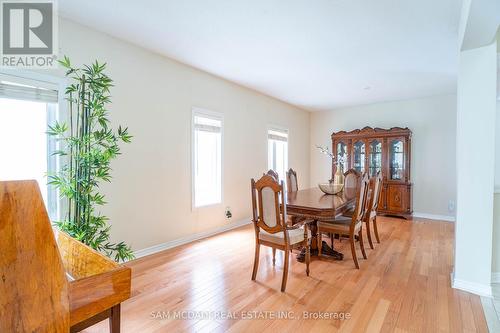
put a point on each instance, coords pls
(314, 205)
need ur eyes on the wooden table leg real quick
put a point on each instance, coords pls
(314, 236)
(313, 227)
(325, 249)
(114, 319)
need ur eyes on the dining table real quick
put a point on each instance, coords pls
(314, 205)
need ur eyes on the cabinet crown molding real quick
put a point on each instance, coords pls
(377, 131)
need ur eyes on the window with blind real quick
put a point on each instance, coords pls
(26, 108)
(207, 158)
(277, 151)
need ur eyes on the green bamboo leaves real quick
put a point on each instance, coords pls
(87, 145)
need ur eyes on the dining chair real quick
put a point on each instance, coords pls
(371, 210)
(270, 224)
(370, 216)
(352, 178)
(348, 226)
(273, 174)
(292, 184)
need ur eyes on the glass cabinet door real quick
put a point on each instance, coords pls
(396, 159)
(342, 156)
(375, 158)
(358, 156)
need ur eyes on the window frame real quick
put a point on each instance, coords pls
(197, 111)
(57, 207)
(282, 129)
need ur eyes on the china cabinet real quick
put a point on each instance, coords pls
(386, 150)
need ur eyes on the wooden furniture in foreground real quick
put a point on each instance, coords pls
(315, 205)
(97, 285)
(387, 150)
(349, 226)
(51, 282)
(34, 292)
(270, 224)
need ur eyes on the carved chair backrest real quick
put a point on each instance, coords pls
(273, 174)
(361, 202)
(376, 188)
(352, 178)
(267, 214)
(291, 180)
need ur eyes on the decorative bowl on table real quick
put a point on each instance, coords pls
(331, 188)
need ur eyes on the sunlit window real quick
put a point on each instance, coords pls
(25, 147)
(207, 159)
(277, 151)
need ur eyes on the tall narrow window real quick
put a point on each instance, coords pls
(277, 151)
(207, 158)
(26, 108)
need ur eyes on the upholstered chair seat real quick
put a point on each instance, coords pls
(340, 225)
(295, 236)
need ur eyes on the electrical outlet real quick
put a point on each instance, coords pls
(451, 206)
(228, 213)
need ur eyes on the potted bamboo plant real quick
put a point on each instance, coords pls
(87, 145)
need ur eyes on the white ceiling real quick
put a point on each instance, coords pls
(317, 54)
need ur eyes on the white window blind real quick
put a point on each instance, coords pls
(26, 108)
(207, 159)
(277, 151)
(14, 87)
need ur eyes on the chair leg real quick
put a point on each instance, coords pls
(369, 234)
(274, 256)
(362, 243)
(308, 256)
(320, 242)
(285, 270)
(256, 261)
(375, 229)
(114, 319)
(353, 250)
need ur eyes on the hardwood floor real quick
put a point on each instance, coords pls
(404, 286)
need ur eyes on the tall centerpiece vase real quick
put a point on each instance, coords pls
(338, 178)
(335, 185)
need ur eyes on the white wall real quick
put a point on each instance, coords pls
(476, 108)
(432, 121)
(495, 260)
(496, 204)
(150, 195)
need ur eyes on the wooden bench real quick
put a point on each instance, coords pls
(50, 282)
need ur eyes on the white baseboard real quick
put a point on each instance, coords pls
(434, 217)
(184, 240)
(472, 287)
(495, 277)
